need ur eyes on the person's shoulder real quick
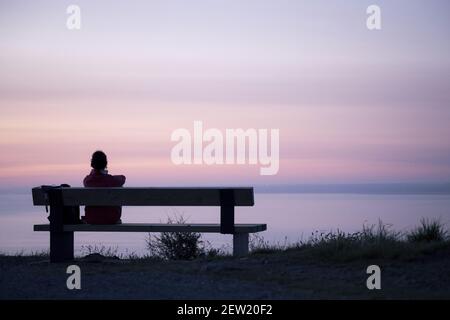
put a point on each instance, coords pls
(88, 176)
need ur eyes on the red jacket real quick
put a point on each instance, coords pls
(99, 214)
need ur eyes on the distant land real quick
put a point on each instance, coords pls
(359, 188)
(348, 188)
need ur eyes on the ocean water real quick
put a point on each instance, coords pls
(289, 217)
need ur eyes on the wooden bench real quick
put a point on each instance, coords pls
(62, 238)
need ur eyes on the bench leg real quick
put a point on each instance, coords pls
(61, 246)
(240, 244)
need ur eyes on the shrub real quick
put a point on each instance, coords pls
(428, 231)
(176, 245)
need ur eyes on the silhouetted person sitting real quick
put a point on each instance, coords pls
(99, 177)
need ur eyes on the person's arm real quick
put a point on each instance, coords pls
(120, 180)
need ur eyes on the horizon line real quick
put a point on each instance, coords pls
(311, 188)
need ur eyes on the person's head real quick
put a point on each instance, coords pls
(99, 160)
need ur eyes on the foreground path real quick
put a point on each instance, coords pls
(265, 276)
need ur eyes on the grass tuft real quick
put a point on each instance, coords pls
(428, 231)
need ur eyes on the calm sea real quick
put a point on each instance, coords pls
(289, 217)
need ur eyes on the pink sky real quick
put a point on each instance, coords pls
(351, 105)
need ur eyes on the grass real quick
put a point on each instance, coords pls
(102, 251)
(33, 254)
(428, 231)
(257, 244)
(372, 243)
(22, 256)
(109, 252)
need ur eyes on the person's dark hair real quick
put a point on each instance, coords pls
(99, 160)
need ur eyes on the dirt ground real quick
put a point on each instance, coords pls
(283, 275)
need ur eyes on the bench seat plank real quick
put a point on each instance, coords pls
(154, 227)
(131, 196)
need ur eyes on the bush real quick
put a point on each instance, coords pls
(428, 231)
(176, 245)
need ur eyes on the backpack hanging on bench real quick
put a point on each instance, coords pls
(71, 214)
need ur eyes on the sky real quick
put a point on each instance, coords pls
(351, 105)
